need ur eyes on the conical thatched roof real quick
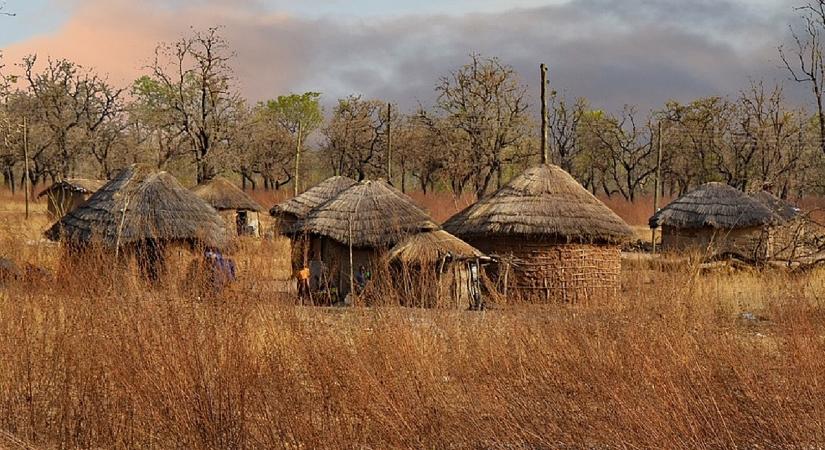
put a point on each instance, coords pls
(299, 206)
(543, 202)
(368, 214)
(431, 247)
(223, 195)
(782, 208)
(82, 185)
(714, 205)
(141, 203)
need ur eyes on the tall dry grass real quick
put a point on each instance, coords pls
(95, 358)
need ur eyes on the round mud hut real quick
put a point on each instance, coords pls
(145, 213)
(554, 240)
(238, 210)
(66, 195)
(718, 220)
(291, 211)
(435, 269)
(354, 230)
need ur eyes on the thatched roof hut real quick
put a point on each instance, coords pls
(357, 227)
(718, 219)
(297, 208)
(714, 205)
(137, 205)
(782, 208)
(369, 214)
(556, 241)
(437, 269)
(232, 203)
(66, 195)
(223, 195)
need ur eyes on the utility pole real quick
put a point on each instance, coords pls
(298, 160)
(389, 143)
(658, 180)
(26, 159)
(543, 113)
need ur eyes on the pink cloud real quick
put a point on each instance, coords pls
(118, 38)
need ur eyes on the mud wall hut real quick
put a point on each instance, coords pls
(66, 195)
(789, 233)
(554, 240)
(717, 220)
(141, 213)
(357, 227)
(238, 210)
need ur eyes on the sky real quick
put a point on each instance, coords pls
(614, 52)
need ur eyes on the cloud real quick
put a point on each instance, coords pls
(611, 51)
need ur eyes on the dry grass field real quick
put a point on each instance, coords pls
(684, 359)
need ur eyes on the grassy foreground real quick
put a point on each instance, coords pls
(94, 361)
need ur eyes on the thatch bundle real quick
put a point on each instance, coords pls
(782, 208)
(138, 205)
(431, 247)
(80, 185)
(223, 195)
(298, 207)
(369, 214)
(544, 202)
(714, 205)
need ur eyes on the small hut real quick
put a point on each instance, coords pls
(554, 240)
(238, 210)
(437, 269)
(68, 194)
(720, 220)
(297, 208)
(358, 226)
(141, 212)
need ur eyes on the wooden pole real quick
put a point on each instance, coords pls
(389, 143)
(658, 181)
(298, 161)
(543, 113)
(27, 186)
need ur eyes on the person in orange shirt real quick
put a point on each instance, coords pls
(302, 276)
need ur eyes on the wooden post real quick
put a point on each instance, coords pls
(389, 143)
(27, 186)
(657, 182)
(543, 113)
(298, 161)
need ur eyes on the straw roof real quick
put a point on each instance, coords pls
(82, 185)
(223, 195)
(138, 204)
(368, 214)
(543, 202)
(431, 247)
(301, 205)
(782, 208)
(714, 205)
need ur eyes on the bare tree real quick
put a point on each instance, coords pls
(356, 138)
(195, 91)
(485, 100)
(808, 66)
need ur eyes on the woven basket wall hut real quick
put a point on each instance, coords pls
(141, 212)
(239, 211)
(357, 227)
(718, 220)
(556, 242)
(437, 270)
(68, 194)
